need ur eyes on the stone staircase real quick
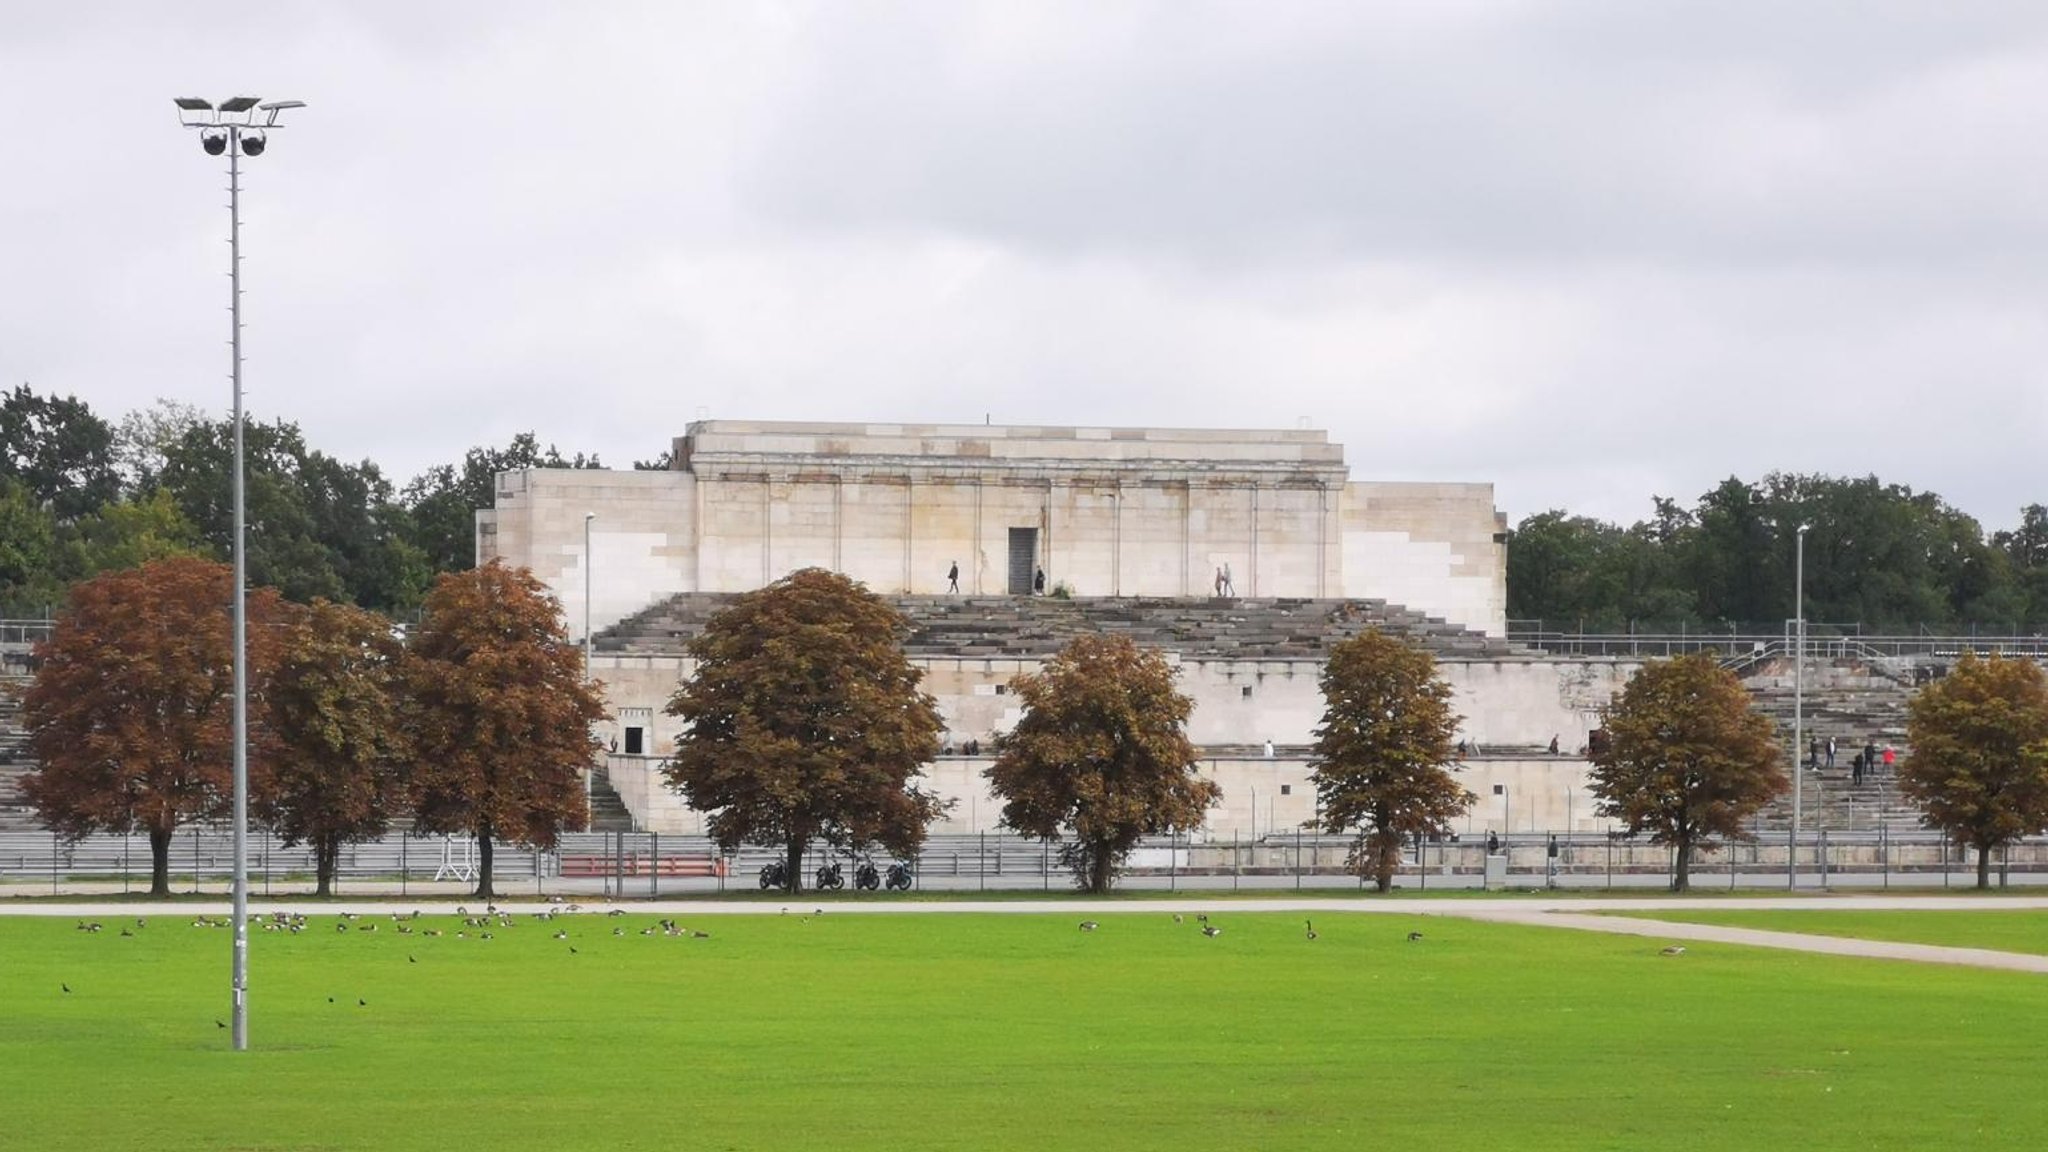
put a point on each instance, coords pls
(608, 813)
(1034, 626)
(15, 813)
(1857, 702)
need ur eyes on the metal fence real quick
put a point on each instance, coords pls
(640, 865)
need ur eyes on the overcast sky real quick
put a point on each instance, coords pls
(1586, 251)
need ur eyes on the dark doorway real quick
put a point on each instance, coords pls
(635, 742)
(1023, 559)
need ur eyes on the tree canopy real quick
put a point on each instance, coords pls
(497, 714)
(803, 721)
(1877, 555)
(1384, 753)
(1979, 766)
(130, 716)
(1100, 757)
(1687, 758)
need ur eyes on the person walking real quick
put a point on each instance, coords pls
(1870, 755)
(1890, 758)
(1038, 583)
(1229, 586)
(1813, 753)
(1856, 770)
(1831, 751)
(953, 577)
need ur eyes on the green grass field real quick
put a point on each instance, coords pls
(1000, 1031)
(2007, 930)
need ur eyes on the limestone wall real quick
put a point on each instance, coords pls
(1438, 548)
(1509, 705)
(643, 541)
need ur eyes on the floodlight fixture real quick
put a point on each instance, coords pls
(215, 142)
(252, 143)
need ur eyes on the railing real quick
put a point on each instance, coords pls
(419, 866)
(1756, 645)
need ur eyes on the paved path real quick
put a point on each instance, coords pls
(1560, 912)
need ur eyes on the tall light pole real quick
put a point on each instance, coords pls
(588, 518)
(233, 128)
(1798, 701)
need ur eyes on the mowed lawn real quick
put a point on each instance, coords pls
(2003, 929)
(999, 1031)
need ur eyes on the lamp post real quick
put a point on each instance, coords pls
(232, 127)
(1798, 701)
(588, 519)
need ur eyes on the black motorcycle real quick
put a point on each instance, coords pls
(774, 876)
(899, 877)
(829, 879)
(865, 878)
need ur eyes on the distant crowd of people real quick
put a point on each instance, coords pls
(1820, 753)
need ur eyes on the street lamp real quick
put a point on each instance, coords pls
(237, 126)
(1798, 701)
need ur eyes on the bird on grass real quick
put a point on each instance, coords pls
(701, 935)
(561, 935)
(572, 950)
(1176, 918)
(1089, 925)
(1211, 930)
(1414, 936)
(65, 987)
(1202, 917)
(362, 1003)
(618, 931)
(1311, 928)
(220, 1024)
(1674, 950)
(412, 959)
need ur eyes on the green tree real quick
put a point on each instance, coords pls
(1100, 757)
(804, 721)
(333, 705)
(27, 541)
(1384, 754)
(59, 450)
(1687, 758)
(496, 714)
(1979, 763)
(125, 534)
(130, 717)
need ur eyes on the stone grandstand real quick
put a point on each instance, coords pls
(1011, 627)
(15, 814)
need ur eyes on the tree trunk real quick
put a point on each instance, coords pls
(1386, 856)
(1681, 874)
(793, 865)
(483, 864)
(160, 861)
(326, 852)
(1983, 866)
(1101, 869)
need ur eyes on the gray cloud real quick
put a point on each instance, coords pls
(1588, 251)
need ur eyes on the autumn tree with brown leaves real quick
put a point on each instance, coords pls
(333, 704)
(1100, 757)
(1688, 759)
(496, 715)
(1979, 766)
(804, 721)
(1383, 756)
(131, 715)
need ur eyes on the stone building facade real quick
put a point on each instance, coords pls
(1102, 511)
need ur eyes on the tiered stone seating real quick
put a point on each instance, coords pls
(15, 813)
(1031, 626)
(1856, 704)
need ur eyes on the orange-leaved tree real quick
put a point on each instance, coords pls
(131, 715)
(1384, 754)
(496, 714)
(1979, 768)
(804, 721)
(1100, 757)
(333, 705)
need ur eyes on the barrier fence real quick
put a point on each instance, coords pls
(641, 865)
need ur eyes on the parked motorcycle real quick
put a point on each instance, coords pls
(865, 878)
(774, 876)
(899, 877)
(829, 879)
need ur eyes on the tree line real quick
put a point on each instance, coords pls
(81, 495)
(1879, 556)
(803, 721)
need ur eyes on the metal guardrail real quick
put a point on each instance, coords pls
(1753, 644)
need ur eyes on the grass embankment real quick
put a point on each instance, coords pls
(998, 1031)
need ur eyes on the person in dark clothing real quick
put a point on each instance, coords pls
(1856, 770)
(1038, 583)
(953, 577)
(1870, 756)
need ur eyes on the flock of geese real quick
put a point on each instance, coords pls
(1214, 930)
